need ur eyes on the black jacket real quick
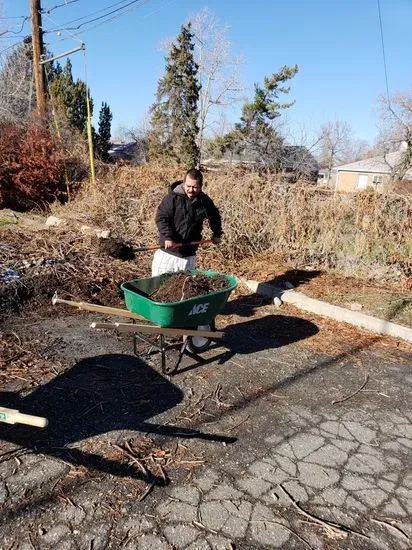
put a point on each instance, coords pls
(180, 219)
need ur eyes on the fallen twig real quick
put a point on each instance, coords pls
(352, 394)
(146, 492)
(336, 528)
(133, 459)
(238, 424)
(199, 524)
(397, 530)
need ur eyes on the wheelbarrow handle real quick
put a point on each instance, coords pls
(178, 245)
(13, 416)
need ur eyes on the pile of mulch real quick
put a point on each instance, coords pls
(181, 286)
(116, 248)
(25, 363)
(33, 265)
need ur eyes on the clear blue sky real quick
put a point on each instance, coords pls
(337, 46)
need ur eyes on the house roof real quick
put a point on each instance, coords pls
(381, 164)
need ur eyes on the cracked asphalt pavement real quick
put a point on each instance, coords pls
(320, 455)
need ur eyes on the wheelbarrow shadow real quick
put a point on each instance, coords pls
(96, 396)
(257, 335)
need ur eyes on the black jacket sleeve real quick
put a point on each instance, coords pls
(164, 219)
(213, 215)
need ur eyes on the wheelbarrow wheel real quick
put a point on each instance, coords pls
(199, 344)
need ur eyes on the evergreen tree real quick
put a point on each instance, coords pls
(255, 135)
(265, 106)
(104, 132)
(70, 96)
(175, 113)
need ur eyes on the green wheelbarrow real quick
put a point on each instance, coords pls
(196, 314)
(193, 318)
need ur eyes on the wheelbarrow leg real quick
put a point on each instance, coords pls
(181, 353)
(163, 348)
(163, 353)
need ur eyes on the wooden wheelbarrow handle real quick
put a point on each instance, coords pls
(13, 416)
(178, 245)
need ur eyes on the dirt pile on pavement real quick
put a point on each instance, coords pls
(181, 286)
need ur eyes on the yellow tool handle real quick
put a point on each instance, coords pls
(13, 416)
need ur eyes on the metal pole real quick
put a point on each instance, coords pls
(81, 47)
(37, 43)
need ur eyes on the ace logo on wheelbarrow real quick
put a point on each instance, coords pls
(199, 308)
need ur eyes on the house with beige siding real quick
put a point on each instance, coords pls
(375, 173)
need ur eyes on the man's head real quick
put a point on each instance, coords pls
(193, 183)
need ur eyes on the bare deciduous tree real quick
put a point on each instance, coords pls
(17, 98)
(395, 134)
(139, 136)
(218, 70)
(335, 144)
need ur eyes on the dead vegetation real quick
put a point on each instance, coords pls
(62, 260)
(267, 226)
(358, 234)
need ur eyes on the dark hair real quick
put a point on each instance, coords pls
(195, 174)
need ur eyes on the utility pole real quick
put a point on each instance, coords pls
(37, 42)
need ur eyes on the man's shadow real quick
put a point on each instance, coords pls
(98, 395)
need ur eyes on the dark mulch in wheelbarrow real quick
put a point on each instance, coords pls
(181, 286)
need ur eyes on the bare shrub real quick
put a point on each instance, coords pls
(31, 167)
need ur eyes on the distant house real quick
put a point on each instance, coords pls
(295, 161)
(374, 173)
(324, 178)
(123, 151)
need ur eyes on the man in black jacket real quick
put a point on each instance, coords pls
(179, 220)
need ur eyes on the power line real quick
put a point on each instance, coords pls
(64, 27)
(49, 10)
(11, 46)
(70, 34)
(14, 37)
(25, 19)
(73, 35)
(383, 52)
(15, 17)
(94, 12)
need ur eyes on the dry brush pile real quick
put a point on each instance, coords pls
(362, 233)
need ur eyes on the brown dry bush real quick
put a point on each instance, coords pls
(358, 232)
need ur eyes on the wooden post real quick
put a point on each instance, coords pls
(37, 43)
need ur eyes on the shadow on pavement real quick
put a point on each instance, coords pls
(98, 395)
(259, 334)
(246, 306)
(297, 277)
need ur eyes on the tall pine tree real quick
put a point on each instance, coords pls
(104, 132)
(70, 97)
(175, 113)
(255, 134)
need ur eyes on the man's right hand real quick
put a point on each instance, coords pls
(170, 244)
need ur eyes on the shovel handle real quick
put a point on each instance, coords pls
(158, 247)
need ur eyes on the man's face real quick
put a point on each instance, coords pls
(192, 187)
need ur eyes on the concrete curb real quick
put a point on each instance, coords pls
(337, 313)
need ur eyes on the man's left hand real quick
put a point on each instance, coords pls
(216, 240)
